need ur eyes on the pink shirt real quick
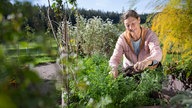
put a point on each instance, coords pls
(149, 49)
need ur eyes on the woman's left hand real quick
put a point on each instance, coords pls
(142, 65)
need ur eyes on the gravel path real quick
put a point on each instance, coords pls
(49, 71)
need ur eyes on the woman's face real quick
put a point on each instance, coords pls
(132, 24)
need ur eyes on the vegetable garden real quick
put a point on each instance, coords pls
(82, 51)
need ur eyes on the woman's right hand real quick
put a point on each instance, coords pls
(114, 73)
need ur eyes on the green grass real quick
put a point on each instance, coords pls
(29, 45)
(39, 54)
(172, 57)
(43, 60)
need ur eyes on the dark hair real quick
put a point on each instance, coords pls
(129, 13)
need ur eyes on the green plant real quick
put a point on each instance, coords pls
(94, 84)
(20, 87)
(182, 99)
(19, 83)
(181, 70)
(94, 35)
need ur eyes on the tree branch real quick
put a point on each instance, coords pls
(49, 19)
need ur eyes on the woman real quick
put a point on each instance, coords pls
(138, 46)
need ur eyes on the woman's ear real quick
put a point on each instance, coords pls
(139, 20)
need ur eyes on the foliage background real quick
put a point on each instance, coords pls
(89, 83)
(174, 28)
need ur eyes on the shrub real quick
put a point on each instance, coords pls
(91, 36)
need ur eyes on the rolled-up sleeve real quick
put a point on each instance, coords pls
(117, 54)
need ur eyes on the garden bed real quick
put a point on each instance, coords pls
(170, 87)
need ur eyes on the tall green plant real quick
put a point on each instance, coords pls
(67, 56)
(95, 35)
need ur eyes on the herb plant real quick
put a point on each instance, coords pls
(95, 87)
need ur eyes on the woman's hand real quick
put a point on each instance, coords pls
(114, 73)
(142, 65)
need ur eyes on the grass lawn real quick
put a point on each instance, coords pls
(172, 58)
(39, 53)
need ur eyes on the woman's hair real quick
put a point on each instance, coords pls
(129, 13)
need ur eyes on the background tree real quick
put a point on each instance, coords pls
(174, 27)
